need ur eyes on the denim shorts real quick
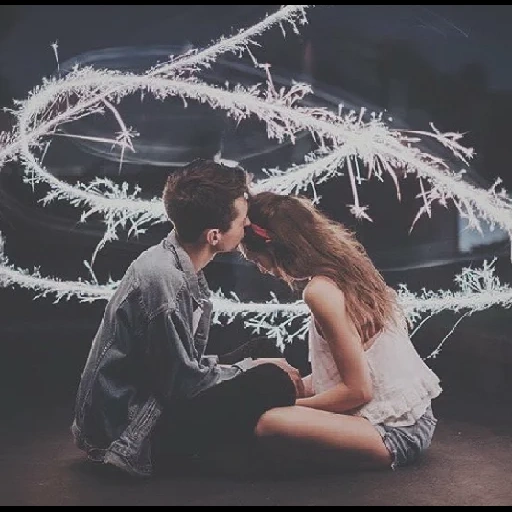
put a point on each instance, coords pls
(407, 443)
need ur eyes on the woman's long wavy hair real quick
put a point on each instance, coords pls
(303, 242)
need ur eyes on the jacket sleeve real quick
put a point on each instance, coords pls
(173, 365)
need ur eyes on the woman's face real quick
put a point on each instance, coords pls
(265, 264)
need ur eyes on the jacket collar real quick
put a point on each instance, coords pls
(196, 280)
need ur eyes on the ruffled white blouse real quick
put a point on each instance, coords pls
(403, 385)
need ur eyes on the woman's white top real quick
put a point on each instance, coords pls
(403, 385)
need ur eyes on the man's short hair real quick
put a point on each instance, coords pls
(201, 196)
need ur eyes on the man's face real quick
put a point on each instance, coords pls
(231, 239)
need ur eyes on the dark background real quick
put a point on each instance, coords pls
(449, 65)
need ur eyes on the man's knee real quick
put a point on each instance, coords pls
(276, 384)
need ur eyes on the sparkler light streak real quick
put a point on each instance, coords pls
(352, 141)
(479, 289)
(379, 148)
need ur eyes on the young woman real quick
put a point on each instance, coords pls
(368, 397)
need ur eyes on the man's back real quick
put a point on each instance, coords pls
(145, 355)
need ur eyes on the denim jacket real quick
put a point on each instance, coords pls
(147, 353)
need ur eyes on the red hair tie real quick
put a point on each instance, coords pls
(262, 232)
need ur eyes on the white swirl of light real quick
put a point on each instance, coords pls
(353, 141)
(378, 147)
(479, 289)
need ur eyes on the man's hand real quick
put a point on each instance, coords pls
(292, 372)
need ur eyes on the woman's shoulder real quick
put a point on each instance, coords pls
(320, 283)
(321, 288)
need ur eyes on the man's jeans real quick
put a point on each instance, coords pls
(225, 414)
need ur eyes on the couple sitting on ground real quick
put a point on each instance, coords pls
(149, 391)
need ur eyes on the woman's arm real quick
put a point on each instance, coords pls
(327, 304)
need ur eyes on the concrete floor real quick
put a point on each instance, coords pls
(469, 463)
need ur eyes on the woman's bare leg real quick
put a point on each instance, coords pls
(300, 435)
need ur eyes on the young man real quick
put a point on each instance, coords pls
(147, 387)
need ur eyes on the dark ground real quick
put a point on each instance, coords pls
(469, 462)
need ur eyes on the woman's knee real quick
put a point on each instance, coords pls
(268, 424)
